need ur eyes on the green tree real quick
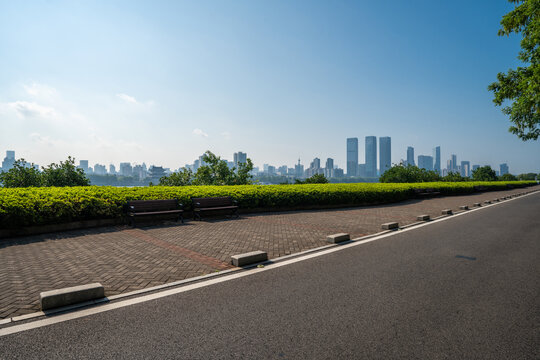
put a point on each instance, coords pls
(484, 173)
(182, 177)
(507, 177)
(22, 174)
(454, 177)
(408, 174)
(315, 179)
(522, 86)
(214, 172)
(64, 174)
(528, 176)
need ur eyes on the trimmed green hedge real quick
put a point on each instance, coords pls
(38, 206)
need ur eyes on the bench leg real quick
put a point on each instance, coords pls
(181, 218)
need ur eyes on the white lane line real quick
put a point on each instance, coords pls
(111, 306)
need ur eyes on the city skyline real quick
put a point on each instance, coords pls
(264, 77)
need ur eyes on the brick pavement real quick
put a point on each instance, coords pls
(125, 259)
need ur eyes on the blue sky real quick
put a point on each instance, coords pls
(162, 81)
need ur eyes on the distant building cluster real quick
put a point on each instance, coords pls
(368, 169)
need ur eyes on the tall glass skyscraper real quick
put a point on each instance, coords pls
(437, 159)
(425, 162)
(352, 157)
(410, 156)
(385, 154)
(371, 156)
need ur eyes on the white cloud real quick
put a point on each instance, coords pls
(127, 98)
(40, 90)
(199, 132)
(25, 109)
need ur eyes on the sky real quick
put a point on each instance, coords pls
(161, 82)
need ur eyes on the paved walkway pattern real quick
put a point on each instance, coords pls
(125, 259)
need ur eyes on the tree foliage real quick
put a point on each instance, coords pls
(507, 177)
(454, 177)
(22, 174)
(522, 86)
(484, 173)
(315, 179)
(214, 172)
(64, 174)
(408, 174)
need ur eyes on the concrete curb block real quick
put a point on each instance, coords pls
(337, 238)
(390, 226)
(487, 202)
(447, 212)
(71, 295)
(477, 204)
(464, 207)
(423, 218)
(249, 258)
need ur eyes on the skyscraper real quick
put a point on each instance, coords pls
(504, 169)
(410, 156)
(329, 168)
(352, 156)
(452, 164)
(9, 160)
(425, 162)
(437, 159)
(385, 154)
(465, 168)
(83, 164)
(371, 156)
(239, 158)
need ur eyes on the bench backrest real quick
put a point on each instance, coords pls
(151, 205)
(212, 202)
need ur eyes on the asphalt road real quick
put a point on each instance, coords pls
(466, 288)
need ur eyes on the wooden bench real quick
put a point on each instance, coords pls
(426, 192)
(225, 203)
(139, 208)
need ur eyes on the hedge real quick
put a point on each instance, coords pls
(39, 206)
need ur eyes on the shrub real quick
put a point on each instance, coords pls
(50, 205)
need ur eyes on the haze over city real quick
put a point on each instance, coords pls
(161, 83)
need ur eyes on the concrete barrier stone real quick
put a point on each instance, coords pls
(249, 258)
(71, 295)
(390, 226)
(446, 212)
(464, 207)
(337, 238)
(423, 218)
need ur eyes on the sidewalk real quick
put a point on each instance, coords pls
(125, 259)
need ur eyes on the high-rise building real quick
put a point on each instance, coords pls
(299, 169)
(239, 157)
(475, 167)
(465, 169)
(352, 156)
(451, 164)
(425, 162)
(9, 160)
(362, 170)
(83, 164)
(503, 169)
(112, 169)
(100, 169)
(371, 156)
(385, 154)
(329, 168)
(410, 156)
(437, 159)
(126, 169)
